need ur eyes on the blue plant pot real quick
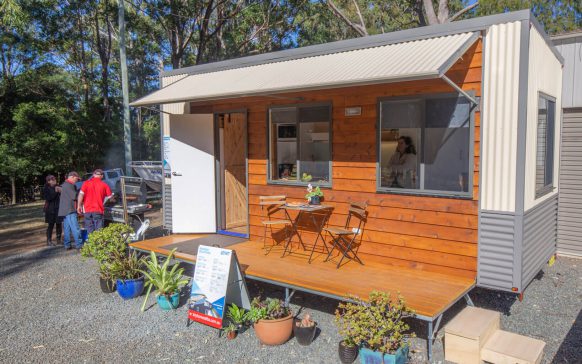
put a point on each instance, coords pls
(168, 304)
(315, 200)
(130, 288)
(368, 356)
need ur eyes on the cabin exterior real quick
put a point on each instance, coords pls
(569, 215)
(476, 98)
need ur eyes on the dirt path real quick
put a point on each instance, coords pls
(22, 227)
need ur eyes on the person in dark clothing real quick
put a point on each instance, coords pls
(52, 194)
(68, 211)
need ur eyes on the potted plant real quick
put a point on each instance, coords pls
(346, 322)
(166, 281)
(313, 195)
(304, 330)
(272, 320)
(377, 326)
(126, 268)
(101, 245)
(231, 331)
(237, 316)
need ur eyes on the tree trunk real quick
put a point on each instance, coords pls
(13, 184)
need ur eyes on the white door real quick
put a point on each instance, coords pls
(193, 178)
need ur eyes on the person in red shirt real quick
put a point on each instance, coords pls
(90, 203)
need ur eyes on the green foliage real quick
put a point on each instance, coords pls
(103, 244)
(126, 266)
(236, 315)
(314, 192)
(377, 324)
(165, 280)
(268, 309)
(230, 328)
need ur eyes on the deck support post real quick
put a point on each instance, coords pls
(431, 335)
(469, 301)
(429, 341)
(288, 296)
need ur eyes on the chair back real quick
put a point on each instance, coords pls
(272, 204)
(357, 215)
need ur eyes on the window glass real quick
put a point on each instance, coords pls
(545, 146)
(299, 144)
(111, 175)
(425, 144)
(400, 134)
(446, 144)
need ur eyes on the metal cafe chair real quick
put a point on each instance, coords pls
(274, 207)
(344, 238)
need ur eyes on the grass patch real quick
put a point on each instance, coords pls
(21, 217)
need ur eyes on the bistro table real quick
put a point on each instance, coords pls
(313, 211)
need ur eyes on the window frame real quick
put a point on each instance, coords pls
(547, 188)
(270, 180)
(433, 193)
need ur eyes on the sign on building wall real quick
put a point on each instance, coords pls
(166, 154)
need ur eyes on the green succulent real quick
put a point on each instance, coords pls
(268, 309)
(165, 280)
(376, 324)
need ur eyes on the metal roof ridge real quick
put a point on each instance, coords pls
(401, 36)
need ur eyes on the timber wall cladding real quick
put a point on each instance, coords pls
(433, 233)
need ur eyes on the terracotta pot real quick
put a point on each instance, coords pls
(231, 335)
(274, 332)
(347, 354)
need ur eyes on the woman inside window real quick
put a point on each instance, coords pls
(403, 164)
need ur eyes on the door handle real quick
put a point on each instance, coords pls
(176, 174)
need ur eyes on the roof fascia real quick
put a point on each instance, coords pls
(431, 31)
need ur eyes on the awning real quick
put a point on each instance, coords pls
(413, 60)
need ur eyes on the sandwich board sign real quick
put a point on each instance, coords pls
(218, 280)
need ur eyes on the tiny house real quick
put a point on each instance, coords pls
(569, 241)
(449, 132)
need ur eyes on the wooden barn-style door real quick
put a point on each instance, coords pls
(232, 173)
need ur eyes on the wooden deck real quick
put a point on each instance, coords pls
(428, 293)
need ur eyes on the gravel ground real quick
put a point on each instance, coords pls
(52, 310)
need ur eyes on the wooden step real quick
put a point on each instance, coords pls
(508, 348)
(467, 333)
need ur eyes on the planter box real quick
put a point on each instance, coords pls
(368, 356)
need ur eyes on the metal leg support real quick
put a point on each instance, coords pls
(429, 341)
(469, 301)
(288, 296)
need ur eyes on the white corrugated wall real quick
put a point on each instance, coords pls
(177, 108)
(499, 117)
(545, 75)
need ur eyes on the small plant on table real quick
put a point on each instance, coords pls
(313, 195)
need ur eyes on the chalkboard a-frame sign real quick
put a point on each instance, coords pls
(218, 280)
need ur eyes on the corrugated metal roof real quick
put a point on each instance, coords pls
(420, 59)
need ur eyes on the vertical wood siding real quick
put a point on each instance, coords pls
(433, 233)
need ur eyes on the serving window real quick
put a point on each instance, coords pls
(300, 144)
(426, 145)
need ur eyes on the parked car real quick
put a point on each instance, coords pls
(110, 176)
